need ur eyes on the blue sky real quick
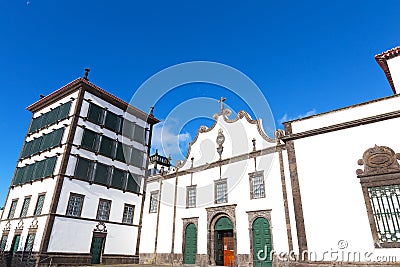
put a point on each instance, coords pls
(306, 56)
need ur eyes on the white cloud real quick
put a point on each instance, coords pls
(285, 117)
(169, 141)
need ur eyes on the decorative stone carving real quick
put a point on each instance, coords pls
(378, 160)
(7, 227)
(20, 225)
(100, 228)
(34, 224)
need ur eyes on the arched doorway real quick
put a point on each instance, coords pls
(262, 245)
(190, 249)
(224, 243)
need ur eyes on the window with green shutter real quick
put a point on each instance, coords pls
(90, 140)
(46, 141)
(102, 173)
(107, 146)
(136, 157)
(133, 183)
(128, 128)
(112, 122)
(19, 175)
(27, 149)
(36, 145)
(139, 134)
(64, 111)
(118, 179)
(52, 116)
(49, 167)
(39, 169)
(29, 173)
(95, 114)
(36, 124)
(120, 152)
(83, 169)
(56, 137)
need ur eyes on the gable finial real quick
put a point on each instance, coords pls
(221, 101)
(85, 76)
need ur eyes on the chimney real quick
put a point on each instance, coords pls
(390, 63)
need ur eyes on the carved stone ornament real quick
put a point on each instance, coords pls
(378, 160)
(100, 228)
(220, 137)
(7, 227)
(34, 224)
(20, 225)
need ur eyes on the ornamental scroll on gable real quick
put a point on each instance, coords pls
(378, 160)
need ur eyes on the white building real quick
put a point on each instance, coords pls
(301, 196)
(76, 196)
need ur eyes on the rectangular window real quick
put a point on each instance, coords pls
(133, 183)
(64, 111)
(3, 243)
(36, 145)
(75, 204)
(221, 195)
(136, 157)
(385, 202)
(39, 204)
(83, 169)
(191, 197)
(103, 210)
(12, 209)
(36, 124)
(25, 206)
(257, 188)
(153, 201)
(128, 214)
(121, 150)
(90, 140)
(49, 167)
(128, 128)
(95, 114)
(27, 149)
(102, 173)
(19, 175)
(29, 242)
(39, 169)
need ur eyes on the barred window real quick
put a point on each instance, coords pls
(25, 207)
(385, 202)
(75, 204)
(12, 209)
(39, 204)
(221, 195)
(103, 211)
(191, 197)
(153, 201)
(257, 188)
(3, 243)
(128, 214)
(29, 242)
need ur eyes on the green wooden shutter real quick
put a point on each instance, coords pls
(139, 134)
(223, 224)
(89, 140)
(118, 179)
(106, 146)
(112, 121)
(190, 252)
(39, 169)
(128, 128)
(133, 183)
(27, 149)
(102, 174)
(64, 111)
(36, 123)
(36, 145)
(57, 136)
(95, 114)
(120, 152)
(19, 175)
(49, 167)
(136, 157)
(46, 141)
(52, 116)
(83, 169)
(29, 172)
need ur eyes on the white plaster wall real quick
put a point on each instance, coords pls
(394, 68)
(333, 203)
(149, 222)
(373, 108)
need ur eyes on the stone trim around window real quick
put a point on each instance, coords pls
(381, 169)
(219, 182)
(252, 175)
(81, 206)
(186, 222)
(153, 206)
(98, 209)
(189, 188)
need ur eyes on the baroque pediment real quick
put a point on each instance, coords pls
(378, 160)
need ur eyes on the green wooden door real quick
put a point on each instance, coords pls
(261, 243)
(96, 249)
(15, 244)
(189, 256)
(219, 248)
